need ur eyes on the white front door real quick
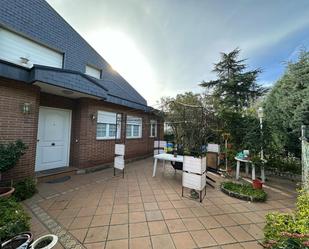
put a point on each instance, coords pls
(53, 142)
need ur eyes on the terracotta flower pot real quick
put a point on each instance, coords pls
(6, 192)
(257, 184)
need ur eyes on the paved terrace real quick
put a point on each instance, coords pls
(98, 211)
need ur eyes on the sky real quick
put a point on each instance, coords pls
(167, 47)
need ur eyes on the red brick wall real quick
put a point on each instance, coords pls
(16, 125)
(89, 151)
(85, 149)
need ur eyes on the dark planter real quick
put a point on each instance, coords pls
(257, 184)
(21, 241)
(6, 192)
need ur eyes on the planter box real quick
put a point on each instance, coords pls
(119, 149)
(193, 181)
(194, 164)
(119, 162)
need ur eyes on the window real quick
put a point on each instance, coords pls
(153, 128)
(107, 125)
(25, 52)
(134, 127)
(92, 71)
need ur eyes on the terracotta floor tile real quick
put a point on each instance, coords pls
(148, 198)
(135, 199)
(251, 245)
(96, 234)
(175, 226)
(225, 220)
(239, 233)
(185, 213)
(179, 203)
(169, 214)
(192, 224)
(119, 219)
(138, 229)
(153, 215)
(85, 211)
(135, 217)
(151, 206)
(202, 238)
(67, 213)
(209, 222)
(100, 220)
(162, 242)
(99, 245)
(117, 244)
(165, 205)
(160, 198)
(255, 218)
(240, 219)
(120, 208)
(81, 222)
(65, 222)
(183, 240)
(221, 236)
(157, 227)
(136, 207)
(232, 246)
(199, 211)
(255, 231)
(104, 210)
(140, 243)
(118, 232)
(79, 234)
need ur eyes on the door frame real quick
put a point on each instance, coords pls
(69, 134)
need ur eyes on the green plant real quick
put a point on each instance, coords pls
(24, 189)
(283, 230)
(245, 190)
(13, 218)
(10, 154)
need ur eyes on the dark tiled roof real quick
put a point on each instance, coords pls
(37, 20)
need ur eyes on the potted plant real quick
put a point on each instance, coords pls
(20, 241)
(9, 155)
(45, 242)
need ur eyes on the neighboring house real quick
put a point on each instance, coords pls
(61, 97)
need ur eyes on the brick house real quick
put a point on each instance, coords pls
(61, 97)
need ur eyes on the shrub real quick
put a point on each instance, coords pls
(10, 154)
(24, 189)
(289, 230)
(244, 191)
(13, 218)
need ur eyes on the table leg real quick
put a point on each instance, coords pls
(247, 169)
(263, 174)
(253, 172)
(154, 167)
(237, 170)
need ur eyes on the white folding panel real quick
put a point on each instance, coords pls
(213, 148)
(119, 162)
(193, 181)
(119, 149)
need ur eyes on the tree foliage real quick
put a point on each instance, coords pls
(236, 87)
(287, 106)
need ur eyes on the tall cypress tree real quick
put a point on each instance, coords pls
(235, 88)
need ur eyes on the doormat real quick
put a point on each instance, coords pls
(60, 179)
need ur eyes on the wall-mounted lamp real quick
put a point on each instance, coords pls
(26, 108)
(93, 117)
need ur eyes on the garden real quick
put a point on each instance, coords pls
(252, 124)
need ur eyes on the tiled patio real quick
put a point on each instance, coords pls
(99, 211)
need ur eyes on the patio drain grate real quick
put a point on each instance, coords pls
(59, 180)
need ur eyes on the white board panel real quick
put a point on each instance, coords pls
(119, 149)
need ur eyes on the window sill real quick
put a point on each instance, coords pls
(133, 137)
(106, 139)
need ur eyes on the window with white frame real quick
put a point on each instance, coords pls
(108, 123)
(94, 72)
(134, 127)
(153, 128)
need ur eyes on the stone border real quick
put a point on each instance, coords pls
(240, 196)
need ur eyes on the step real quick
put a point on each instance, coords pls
(51, 174)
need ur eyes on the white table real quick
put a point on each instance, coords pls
(239, 160)
(165, 157)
